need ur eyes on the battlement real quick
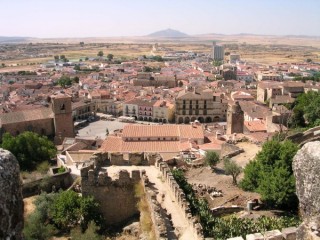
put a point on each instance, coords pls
(180, 197)
(98, 176)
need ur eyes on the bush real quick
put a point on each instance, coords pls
(211, 158)
(43, 167)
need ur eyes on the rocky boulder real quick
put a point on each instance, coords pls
(11, 202)
(306, 167)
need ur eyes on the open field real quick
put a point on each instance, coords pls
(252, 48)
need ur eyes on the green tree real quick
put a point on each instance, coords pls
(306, 110)
(100, 54)
(147, 69)
(56, 58)
(211, 159)
(232, 168)
(65, 81)
(251, 180)
(76, 79)
(77, 67)
(29, 148)
(277, 189)
(157, 58)
(110, 56)
(271, 174)
(62, 57)
(69, 209)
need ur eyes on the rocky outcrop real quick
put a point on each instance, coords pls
(11, 202)
(306, 166)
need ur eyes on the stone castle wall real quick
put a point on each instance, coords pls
(180, 198)
(116, 196)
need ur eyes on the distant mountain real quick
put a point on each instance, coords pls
(168, 33)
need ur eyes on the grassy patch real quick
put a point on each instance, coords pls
(145, 213)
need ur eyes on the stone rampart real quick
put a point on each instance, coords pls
(180, 198)
(116, 196)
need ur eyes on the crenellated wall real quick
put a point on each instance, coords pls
(180, 198)
(116, 196)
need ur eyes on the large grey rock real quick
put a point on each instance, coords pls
(11, 202)
(306, 167)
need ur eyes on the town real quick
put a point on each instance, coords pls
(162, 136)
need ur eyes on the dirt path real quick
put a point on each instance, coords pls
(178, 219)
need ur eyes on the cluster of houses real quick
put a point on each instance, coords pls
(181, 92)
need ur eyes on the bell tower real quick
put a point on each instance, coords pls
(63, 122)
(235, 119)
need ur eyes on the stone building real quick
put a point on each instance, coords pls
(52, 121)
(146, 79)
(149, 110)
(235, 119)
(202, 105)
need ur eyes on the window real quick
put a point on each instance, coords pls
(62, 107)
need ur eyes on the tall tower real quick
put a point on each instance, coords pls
(235, 119)
(217, 52)
(63, 122)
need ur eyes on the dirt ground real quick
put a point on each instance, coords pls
(232, 195)
(28, 206)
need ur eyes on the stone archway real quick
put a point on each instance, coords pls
(140, 118)
(164, 121)
(145, 119)
(187, 120)
(216, 119)
(180, 120)
(150, 119)
(208, 119)
(193, 119)
(156, 120)
(201, 119)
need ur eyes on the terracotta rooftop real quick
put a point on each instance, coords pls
(255, 126)
(27, 115)
(178, 131)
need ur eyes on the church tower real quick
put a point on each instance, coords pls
(63, 121)
(235, 119)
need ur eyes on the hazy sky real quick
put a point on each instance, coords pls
(104, 18)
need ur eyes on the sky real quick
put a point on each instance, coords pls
(107, 18)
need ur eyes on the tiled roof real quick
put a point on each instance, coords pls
(189, 131)
(27, 115)
(116, 144)
(195, 95)
(150, 131)
(179, 131)
(255, 126)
